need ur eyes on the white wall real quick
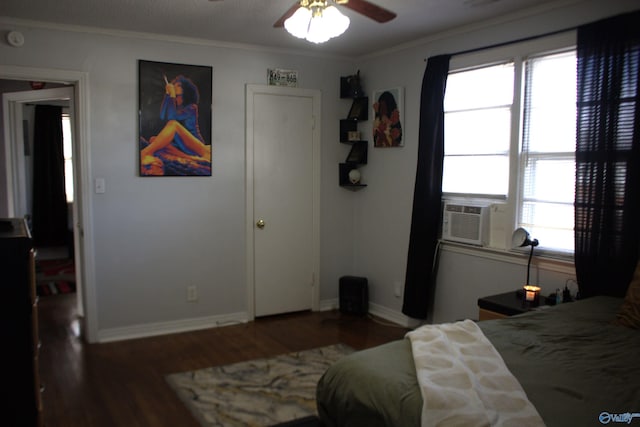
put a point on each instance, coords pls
(153, 237)
(384, 209)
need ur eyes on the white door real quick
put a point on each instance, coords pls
(282, 178)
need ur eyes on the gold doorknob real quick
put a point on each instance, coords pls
(260, 223)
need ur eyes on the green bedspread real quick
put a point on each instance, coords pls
(571, 361)
(370, 388)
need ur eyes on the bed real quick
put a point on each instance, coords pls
(575, 364)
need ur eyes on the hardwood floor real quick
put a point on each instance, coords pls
(122, 384)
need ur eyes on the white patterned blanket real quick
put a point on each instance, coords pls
(464, 381)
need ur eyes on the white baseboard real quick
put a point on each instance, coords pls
(376, 310)
(163, 328)
(329, 304)
(392, 316)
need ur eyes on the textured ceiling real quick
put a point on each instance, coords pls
(251, 21)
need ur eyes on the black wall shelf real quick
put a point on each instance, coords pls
(359, 109)
(358, 154)
(350, 88)
(345, 168)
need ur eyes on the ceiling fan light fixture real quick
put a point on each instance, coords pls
(298, 24)
(317, 25)
(335, 20)
(317, 31)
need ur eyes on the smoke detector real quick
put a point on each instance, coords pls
(15, 38)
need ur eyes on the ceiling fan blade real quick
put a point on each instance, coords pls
(370, 10)
(287, 14)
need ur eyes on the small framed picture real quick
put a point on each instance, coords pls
(388, 118)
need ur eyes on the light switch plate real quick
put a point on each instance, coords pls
(100, 185)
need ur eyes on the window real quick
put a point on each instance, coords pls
(477, 131)
(510, 138)
(548, 150)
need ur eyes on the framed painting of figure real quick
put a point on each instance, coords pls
(174, 114)
(388, 118)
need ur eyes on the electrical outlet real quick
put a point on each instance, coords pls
(397, 288)
(192, 293)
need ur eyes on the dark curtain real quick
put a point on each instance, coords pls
(607, 203)
(49, 216)
(425, 218)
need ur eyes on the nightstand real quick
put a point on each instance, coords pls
(503, 305)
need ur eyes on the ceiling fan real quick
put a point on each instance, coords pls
(362, 7)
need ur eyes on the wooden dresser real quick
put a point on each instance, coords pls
(21, 391)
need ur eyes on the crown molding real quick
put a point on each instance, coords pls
(193, 41)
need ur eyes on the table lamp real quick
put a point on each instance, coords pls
(521, 238)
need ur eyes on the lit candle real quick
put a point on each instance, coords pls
(531, 292)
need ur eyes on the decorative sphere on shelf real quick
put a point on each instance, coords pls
(354, 176)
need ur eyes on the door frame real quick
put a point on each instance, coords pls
(83, 233)
(315, 95)
(13, 103)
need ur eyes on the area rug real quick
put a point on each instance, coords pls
(55, 276)
(257, 393)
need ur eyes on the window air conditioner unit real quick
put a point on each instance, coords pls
(465, 223)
